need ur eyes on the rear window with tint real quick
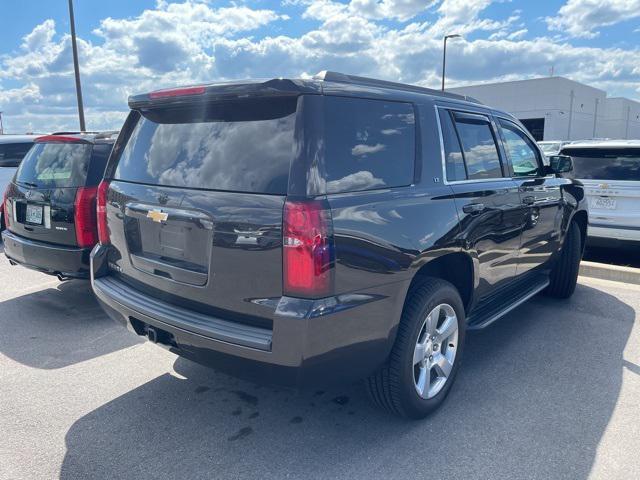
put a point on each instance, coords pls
(55, 165)
(11, 154)
(605, 164)
(244, 146)
(369, 144)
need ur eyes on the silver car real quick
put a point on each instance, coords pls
(13, 148)
(610, 171)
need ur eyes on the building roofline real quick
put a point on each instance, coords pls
(525, 80)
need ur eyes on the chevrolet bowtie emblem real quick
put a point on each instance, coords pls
(157, 215)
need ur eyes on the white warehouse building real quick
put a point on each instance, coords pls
(556, 108)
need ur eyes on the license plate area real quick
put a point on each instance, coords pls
(604, 203)
(169, 243)
(34, 214)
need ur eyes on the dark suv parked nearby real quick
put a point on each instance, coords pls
(50, 205)
(329, 229)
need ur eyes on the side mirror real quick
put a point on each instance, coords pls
(560, 164)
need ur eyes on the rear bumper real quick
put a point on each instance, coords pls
(311, 342)
(47, 258)
(602, 233)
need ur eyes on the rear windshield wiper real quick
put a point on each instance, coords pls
(28, 184)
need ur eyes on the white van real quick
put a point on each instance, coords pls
(13, 148)
(610, 171)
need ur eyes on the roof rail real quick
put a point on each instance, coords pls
(329, 76)
(106, 134)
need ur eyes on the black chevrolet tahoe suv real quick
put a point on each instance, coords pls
(330, 229)
(50, 205)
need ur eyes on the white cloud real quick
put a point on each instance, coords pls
(361, 180)
(463, 16)
(518, 34)
(39, 36)
(582, 18)
(171, 44)
(194, 42)
(363, 149)
(401, 10)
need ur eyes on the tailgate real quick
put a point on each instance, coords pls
(200, 249)
(614, 203)
(44, 215)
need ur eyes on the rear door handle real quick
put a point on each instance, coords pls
(529, 200)
(473, 208)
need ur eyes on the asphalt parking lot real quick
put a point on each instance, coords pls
(551, 391)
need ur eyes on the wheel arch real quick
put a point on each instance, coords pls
(582, 220)
(455, 268)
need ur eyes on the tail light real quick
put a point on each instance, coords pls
(177, 92)
(307, 253)
(103, 230)
(85, 216)
(5, 207)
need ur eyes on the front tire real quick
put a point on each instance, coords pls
(564, 276)
(426, 355)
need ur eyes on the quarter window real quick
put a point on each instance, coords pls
(369, 144)
(523, 155)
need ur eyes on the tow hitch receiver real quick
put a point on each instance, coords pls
(152, 334)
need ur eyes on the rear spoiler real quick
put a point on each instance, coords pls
(222, 91)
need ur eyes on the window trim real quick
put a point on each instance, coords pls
(533, 142)
(443, 157)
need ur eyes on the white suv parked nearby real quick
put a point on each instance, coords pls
(13, 148)
(610, 171)
(552, 147)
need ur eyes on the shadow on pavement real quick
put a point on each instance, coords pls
(57, 327)
(532, 401)
(625, 254)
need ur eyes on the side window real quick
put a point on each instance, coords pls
(523, 155)
(11, 154)
(369, 144)
(453, 160)
(478, 146)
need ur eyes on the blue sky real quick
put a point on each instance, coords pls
(127, 47)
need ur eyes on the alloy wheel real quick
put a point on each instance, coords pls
(435, 351)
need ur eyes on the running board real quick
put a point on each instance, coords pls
(486, 315)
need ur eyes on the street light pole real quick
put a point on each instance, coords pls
(444, 56)
(76, 67)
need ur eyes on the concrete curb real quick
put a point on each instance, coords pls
(613, 273)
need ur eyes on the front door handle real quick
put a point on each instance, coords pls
(529, 200)
(473, 208)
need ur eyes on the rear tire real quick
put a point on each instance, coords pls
(564, 275)
(426, 355)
